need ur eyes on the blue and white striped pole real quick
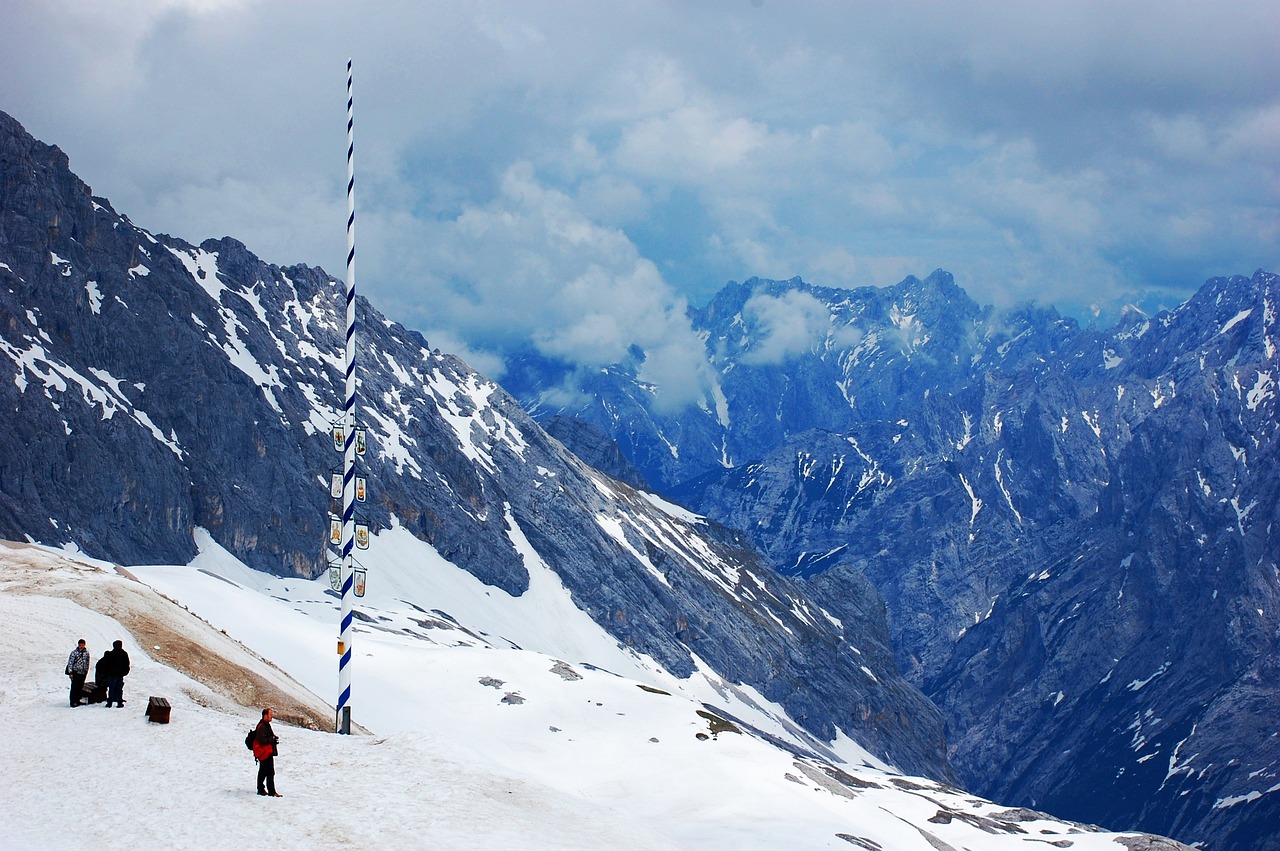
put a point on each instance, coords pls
(346, 632)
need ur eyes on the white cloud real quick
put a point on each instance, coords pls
(529, 266)
(639, 86)
(487, 363)
(690, 143)
(781, 327)
(284, 220)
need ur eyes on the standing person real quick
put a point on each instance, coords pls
(77, 670)
(264, 751)
(117, 669)
(100, 677)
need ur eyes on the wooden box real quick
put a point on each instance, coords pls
(158, 710)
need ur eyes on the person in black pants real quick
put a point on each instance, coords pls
(77, 670)
(117, 668)
(100, 677)
(264, 751)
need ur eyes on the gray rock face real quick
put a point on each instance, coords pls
(151, 387)
(1073, 529)
(596, 448)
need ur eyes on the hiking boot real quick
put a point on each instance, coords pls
(274, 795)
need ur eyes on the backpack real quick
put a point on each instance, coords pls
(249, 737)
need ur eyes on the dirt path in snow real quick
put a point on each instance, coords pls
(165, 630)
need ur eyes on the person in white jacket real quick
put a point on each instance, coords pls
(77, 670)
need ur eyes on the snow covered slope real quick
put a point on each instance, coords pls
(475, 744)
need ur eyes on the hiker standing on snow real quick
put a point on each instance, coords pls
(117, 669)
(264, 751)
(77, 670)
(100, 676)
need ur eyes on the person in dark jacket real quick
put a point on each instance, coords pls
(117, 669)
(77, 670)
(264, 751)
(100, 676)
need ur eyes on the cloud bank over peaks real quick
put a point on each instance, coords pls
(530, 267)
(524, 164)
(782, 327)
(779, 328)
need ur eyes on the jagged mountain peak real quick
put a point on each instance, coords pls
(1229, 320)
(1226, 300)
(938, 290)
(936, 293)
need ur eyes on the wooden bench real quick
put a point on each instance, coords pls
(158, 710)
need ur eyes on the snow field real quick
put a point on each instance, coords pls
(475, 744)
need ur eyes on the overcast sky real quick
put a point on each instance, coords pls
(575, 173)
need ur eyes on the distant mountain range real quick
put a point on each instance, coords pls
(1074, 529)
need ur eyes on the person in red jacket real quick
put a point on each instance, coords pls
(264, 751)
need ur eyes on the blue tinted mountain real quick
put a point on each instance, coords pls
(1074, 529)
(596, 448)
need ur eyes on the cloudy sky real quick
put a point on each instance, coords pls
(574, 173)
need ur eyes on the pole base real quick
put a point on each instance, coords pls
(344, 721)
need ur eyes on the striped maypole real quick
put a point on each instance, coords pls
(346, 632)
